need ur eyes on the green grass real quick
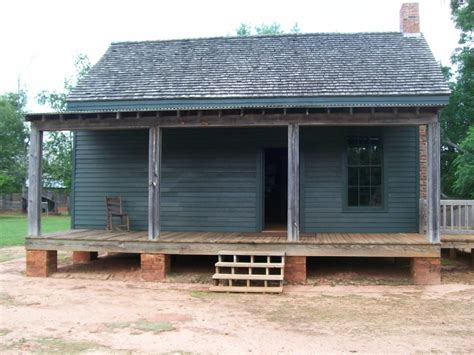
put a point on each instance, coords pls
(155, 327)
(49, 345)
(13, 227)
(447, 262)
(4, 331)
(62, 346)
(143, 325)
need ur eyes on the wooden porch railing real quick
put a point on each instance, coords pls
(457, 216)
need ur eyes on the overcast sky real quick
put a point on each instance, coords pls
(40, 39)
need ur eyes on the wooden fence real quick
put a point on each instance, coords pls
(457, 216)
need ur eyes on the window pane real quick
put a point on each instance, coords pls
(353, 178)
(353, 141)
(353, 155)
(364, 178)
(353, 196)
(364, 151)
(376, 196)
(364, 171)
(364, 196)
(375, 176)
(375, 151)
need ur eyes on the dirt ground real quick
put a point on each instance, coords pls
(102, 308)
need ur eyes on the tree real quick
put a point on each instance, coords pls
(295, 28)
(57, 100)
(464, 166)
(57, 149)
(57, 160)
(13, 142)
(458, 116)
(244, 30)
(274, 28)
(271, 29)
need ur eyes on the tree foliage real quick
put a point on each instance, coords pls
(57, 99)
(57, 160)
(458, 116)
(271, 29)
(244, 29)
(13, 142)
(57, 149)
(274, 28)
(464, 167)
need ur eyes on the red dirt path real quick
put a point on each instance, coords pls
(71, 314)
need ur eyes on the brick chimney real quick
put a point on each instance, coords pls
(410, 19)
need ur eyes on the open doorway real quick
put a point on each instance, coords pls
(276, 189)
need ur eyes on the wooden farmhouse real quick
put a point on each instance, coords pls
(292, 146)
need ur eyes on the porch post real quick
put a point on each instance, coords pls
(154, 169)
(433, 193)
(34, 181)
(293, 182)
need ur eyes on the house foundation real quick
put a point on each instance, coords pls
(426, 271)
(295, 269)
(453, 253)
(41, 263)
(83, 257)
(154, 267)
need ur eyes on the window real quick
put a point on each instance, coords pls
(364, 171)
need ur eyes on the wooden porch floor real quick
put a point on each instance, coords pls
(241, 237)
(210, 243)
(461, 241)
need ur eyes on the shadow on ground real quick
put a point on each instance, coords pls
(320, 270)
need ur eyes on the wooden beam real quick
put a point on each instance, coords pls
(433, 176)
(154, 169)
(71, 122)
(34, 182)
(293, 182)
(135, 245)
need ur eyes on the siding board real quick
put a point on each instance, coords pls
(209, 179)
(110, 163)
(324, 183)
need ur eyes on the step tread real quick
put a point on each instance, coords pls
(250, 265)
(252, 253)
(247, 277)
(273, 289)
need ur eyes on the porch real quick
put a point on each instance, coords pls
(192, 186)
(210, 243)
(343, 190)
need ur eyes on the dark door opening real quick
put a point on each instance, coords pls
(276, 189)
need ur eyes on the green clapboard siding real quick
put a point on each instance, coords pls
(324, 182)
(209, 177)
(110, 163)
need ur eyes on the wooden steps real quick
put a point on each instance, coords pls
(270, 265)
(244, 289)
(247, 277)
(247, 271)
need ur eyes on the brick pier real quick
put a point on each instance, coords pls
(41, 263)
(154, 267)
(426, 271)
(295, 269)
(83, 257)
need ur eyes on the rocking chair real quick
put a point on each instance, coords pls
(115, 212)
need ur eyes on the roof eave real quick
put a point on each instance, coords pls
(438, 100)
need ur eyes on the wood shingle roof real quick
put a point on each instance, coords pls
(286, 66)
